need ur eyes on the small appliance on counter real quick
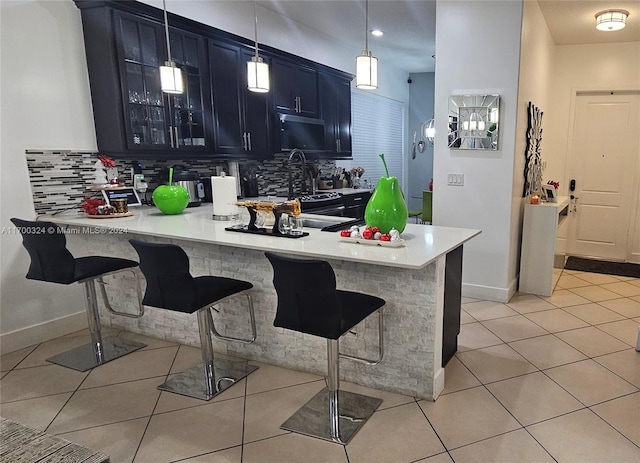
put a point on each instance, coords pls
(191, 182)
(249, 180)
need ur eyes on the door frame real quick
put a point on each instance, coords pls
(569, 159)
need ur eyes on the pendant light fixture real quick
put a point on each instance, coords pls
(366, 63)
(170, 75)
(611, 20)
(257, 69)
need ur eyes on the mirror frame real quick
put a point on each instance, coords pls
(474, 122)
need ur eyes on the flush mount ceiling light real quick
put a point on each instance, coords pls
(257, 69)
(377, 32)
(366, 63)
(170, 75)
(611, 20)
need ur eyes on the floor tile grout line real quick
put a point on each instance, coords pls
(244, 419)
(100, 425)
(67, 401)
(146, 427)
(23, 358)
(611, 425)
(434, 430)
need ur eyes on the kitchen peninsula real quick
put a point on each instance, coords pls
(412, 279)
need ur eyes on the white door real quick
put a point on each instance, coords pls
(604, 163)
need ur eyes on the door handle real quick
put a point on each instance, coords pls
(249, 138)
(176, 130)
(171, 136)
(244, 141)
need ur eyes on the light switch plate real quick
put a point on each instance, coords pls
(455, 179)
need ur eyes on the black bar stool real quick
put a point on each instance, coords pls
(51, 261)
(170, 286)
(309, 302)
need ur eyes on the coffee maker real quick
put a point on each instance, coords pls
(191, 182)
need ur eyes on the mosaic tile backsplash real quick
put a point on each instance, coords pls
(60, 178)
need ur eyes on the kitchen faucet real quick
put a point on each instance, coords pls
(303, 158)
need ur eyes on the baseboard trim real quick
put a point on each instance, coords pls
(34, 334)
(488, 293)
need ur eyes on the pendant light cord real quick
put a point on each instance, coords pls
(255, 15)
(166, 28)
(366, 26)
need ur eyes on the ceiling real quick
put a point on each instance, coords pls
(409, 25)
(572, 22)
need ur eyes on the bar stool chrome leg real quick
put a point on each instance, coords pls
(332, 414)
(219, 374)
(99, 351)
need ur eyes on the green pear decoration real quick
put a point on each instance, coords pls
(386, 209)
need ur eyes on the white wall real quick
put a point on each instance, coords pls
(45, 104)
(477, 53)
(536, 73)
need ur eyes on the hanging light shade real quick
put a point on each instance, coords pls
(367, 71)
(366, 63)
(257, 69)
(611, 20)
(171, 78)
(170, 75)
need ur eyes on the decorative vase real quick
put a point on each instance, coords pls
(387, 209)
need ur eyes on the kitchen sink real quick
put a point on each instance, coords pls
(328, 224)
(318, 223)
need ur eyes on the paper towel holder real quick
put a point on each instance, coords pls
(222, 217)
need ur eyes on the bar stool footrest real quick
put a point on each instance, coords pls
(192, 382)
(313, 418)
(84, 357)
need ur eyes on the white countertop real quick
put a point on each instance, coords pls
(423, 243)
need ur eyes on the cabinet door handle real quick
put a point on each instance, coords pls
(171, 136)
(298, 104)
(249, 138)
(176, 130)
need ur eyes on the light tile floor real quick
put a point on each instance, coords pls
(535, 380)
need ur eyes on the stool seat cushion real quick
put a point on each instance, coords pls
(356, 307)
(93, 266)
(202, 291)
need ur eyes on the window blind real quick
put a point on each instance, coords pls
(378, 127)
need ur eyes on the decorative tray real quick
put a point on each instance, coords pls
(110, 216)
(384, 244)
(262, 231)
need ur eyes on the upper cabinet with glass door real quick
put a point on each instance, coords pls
(154, 120)
(132, 116)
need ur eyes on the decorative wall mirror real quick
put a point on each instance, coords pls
(473, 122)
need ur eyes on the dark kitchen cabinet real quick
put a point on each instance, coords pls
(132, 116)
(335, 108)
(155, 121)
(241, 117)
(452, 304)
(295, 88)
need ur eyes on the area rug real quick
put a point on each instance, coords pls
(601, 266)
